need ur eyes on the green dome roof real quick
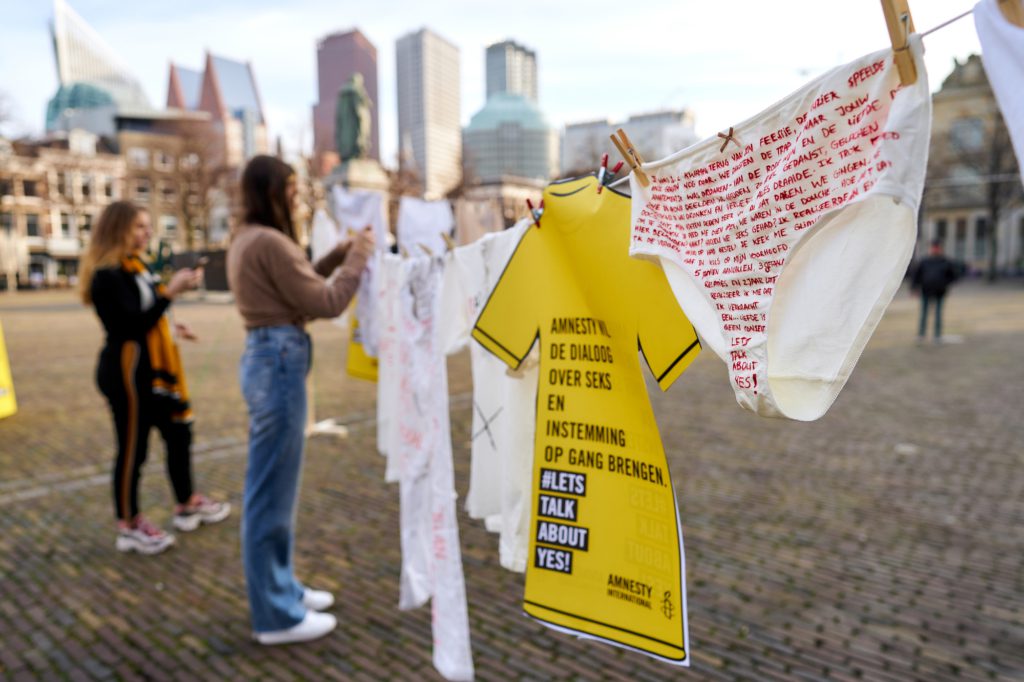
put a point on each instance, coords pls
(503, 108)
(76, 96)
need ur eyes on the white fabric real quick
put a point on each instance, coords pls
(388, 367)
(422, 222)
(431, 557)
(1002, 53)
(367, 305)
(324, 235)
(355, 210)
(498, 482)
(144, 281)
(517, 464)
(785, 248)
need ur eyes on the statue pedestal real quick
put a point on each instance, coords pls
(359, 174)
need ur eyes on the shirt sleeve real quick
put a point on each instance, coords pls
(455, 322)
(666, 338)
(118, 305)
(507, 325)
(308, 293)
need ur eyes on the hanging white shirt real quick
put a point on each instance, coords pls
(431, 556)
(503, 405)
(355, 210)
(386, 304)
(1002, 53)
(423, 222)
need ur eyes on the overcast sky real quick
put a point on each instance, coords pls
(723, 60)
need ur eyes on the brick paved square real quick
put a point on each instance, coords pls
(883, 542)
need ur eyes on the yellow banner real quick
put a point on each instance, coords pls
(360, 365)
(8, 405)
(606, 546)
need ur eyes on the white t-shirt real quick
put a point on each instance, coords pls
(431, 556)
(324, 235)
(503, 414)
(423, 222)
(355, 210)
(386, 303)
(1002, 53)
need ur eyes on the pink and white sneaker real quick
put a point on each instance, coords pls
(143, 537)
(191, 516)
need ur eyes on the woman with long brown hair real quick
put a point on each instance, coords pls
(277, 290)
(140, 373)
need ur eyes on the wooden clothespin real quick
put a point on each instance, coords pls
(602, 172)
(631, 155)
(448, 241)
(901, 25)
(426, 250)
(1013, 10)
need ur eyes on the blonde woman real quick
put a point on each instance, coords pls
(140, 374)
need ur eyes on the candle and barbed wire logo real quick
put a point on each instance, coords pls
(667, 609)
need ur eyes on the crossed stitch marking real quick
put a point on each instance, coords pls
(487, 424)
(728, 138)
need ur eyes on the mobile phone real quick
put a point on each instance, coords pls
(201, 263)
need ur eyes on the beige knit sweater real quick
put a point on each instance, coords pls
(275, 284)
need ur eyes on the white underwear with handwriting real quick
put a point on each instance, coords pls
(785, 248)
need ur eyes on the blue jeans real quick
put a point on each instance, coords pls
(273, 378)
(926, 300)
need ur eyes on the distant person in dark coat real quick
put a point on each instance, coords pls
(932, 277)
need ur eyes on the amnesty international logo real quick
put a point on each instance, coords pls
(666, 605)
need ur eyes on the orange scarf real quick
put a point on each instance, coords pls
(164, 357)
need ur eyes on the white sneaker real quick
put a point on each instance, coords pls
(313, 626)
(144, 538)
(205, 511)
(318, 600)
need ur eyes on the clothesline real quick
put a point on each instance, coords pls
(944, 24)
(947, 22)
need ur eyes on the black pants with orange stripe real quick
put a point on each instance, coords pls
(124, 377)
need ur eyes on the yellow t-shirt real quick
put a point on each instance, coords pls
(605, 547)
(8, 405)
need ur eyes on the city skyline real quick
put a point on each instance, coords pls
(591, 67)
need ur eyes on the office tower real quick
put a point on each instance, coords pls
(95, 83)
(338, 56)
(509, 138)
(656, 135)
(511, 68)
(428, 109)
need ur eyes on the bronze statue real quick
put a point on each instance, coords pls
(352, 120)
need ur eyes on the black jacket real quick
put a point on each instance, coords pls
(933, 275)
(115, 293)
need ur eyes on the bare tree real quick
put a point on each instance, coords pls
(976, 166)
(1003, 188)
(199, 176)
